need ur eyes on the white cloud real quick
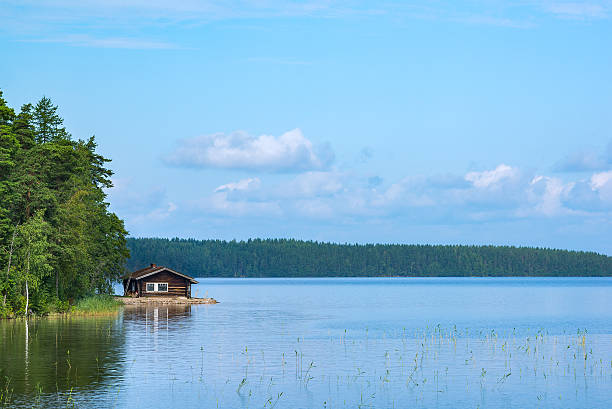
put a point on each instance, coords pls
(311, 184)
(547, 194)
(578, 9)
(602, 183)
(289, 152)
(107, 42)
(501, 194)
(475, 195)
(244, 184)
(592, 195)
(492, 178)
(220, 204)
(223, 203)
(239, 199)
(407, 192)
(600, 180)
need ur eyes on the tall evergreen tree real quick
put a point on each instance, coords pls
(23, 127)
(47, 123)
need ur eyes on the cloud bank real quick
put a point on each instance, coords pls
(289, 152)
(502, 193)
(513, 205)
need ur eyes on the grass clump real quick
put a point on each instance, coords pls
(97, 304)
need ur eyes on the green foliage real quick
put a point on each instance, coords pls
(5, 311)
(58, 240)
(99, 303)
(62, 306)
(295, 258)
(47, 123)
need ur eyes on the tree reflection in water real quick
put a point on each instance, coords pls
(44, 362)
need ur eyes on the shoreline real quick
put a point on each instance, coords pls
(164, 300)
(121, 302)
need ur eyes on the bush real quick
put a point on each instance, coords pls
(62, 306)
(42, 303)
(5, 311)
(18, 305)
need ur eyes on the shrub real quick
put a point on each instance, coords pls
(5, 311)
(62, 306)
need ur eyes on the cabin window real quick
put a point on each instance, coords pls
(157, 287)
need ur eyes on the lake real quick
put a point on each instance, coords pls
(327, 343)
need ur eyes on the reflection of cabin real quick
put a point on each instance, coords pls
(155, 281)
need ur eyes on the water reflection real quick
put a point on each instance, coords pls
(328, 344)
(154, 313)
(151, 326)
(45, 360)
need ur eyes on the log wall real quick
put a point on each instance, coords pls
(177, 286)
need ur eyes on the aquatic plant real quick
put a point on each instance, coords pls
(417, 367)
(97, 304)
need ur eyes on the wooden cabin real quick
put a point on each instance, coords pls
(158, 281)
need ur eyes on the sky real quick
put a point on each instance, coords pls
(442, 122)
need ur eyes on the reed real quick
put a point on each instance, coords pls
(97, 304)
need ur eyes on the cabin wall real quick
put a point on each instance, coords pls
(177, 286)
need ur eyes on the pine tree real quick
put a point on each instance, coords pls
(47, 123)
(23, 127)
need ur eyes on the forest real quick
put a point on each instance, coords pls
(59, 242)
(296, 258)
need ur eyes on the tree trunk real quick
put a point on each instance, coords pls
(27, 289)
(27, 298)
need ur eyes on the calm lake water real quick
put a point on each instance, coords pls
(328, 343)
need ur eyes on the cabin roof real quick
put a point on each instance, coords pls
(154, 269)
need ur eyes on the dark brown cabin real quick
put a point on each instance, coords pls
(158, 281)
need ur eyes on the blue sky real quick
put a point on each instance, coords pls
(475, 122)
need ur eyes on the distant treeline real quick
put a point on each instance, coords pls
(296, 258)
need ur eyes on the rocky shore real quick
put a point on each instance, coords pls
(165, 300)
